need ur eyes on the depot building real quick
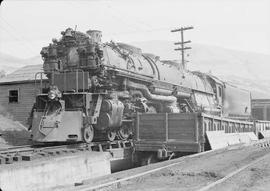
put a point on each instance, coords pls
(18, 91)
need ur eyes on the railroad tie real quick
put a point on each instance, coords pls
(52, 152)
(73, 150)
(89, 148)
(263, 144)
(30, 157)
(17, 158)
(9, 159)
(65, 151)
(59, 152)
(43, 154)
(81, 149)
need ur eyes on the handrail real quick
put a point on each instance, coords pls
(52, 80)
(225, 118)
(41, 84)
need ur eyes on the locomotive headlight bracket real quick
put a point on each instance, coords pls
(54, 93)
(51, 95)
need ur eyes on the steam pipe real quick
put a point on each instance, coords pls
(148, 95)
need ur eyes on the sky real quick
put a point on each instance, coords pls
(27, 25)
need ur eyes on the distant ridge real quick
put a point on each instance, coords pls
(216, 59)
(10, 63)
(246, 69)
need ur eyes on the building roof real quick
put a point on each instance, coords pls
(24, 74)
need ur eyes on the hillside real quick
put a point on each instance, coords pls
(245, 69)
(10, 63)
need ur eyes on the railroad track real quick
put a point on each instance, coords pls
(234, 173)
(260, 143)
(116, 181)
(29, 152)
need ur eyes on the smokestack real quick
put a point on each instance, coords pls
(95, 35)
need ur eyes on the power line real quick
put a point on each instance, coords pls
(18, 40)
(138, 28)
(17, 35)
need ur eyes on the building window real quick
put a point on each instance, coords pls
(13, 96)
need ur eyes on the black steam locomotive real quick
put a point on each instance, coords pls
(97, 88)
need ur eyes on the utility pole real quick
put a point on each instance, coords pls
(182, 43)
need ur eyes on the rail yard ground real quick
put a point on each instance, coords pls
(190, 173)
(197, 172)
(256, 177)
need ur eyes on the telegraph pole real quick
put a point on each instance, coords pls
(182, 43)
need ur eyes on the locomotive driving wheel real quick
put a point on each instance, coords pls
(88, 133)
(111, 135)
(124, 132)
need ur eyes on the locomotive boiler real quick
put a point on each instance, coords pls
(97, 88)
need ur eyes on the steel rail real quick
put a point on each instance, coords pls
(14, 147)
(29, 148)
(87, 187)
(25, 148)
(230, 175)
(31, 152)
(181, 160)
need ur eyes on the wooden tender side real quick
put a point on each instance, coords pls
(167, 133)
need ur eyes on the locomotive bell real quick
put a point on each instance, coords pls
(95, 35)
(68, 32)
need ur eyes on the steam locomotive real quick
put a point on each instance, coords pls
(97, 88)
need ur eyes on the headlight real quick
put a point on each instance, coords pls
(51, 95)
